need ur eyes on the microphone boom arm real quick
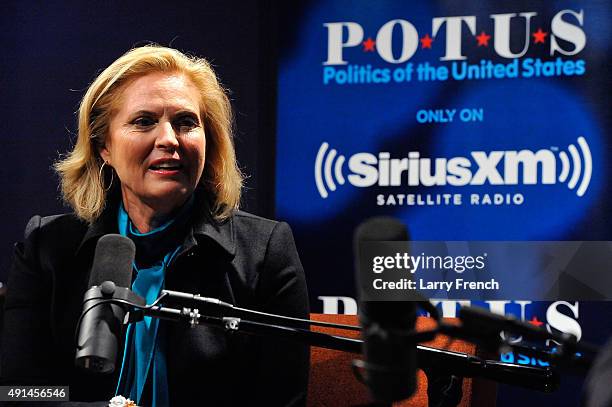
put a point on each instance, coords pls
(428, 359)
(439, 360)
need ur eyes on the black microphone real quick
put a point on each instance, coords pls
(100, 327)
(390, 356)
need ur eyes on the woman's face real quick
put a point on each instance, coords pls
(156, 141)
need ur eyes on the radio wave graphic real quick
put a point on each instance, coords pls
(580, 165)
(323, 170)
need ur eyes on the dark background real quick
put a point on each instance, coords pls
(51, 53)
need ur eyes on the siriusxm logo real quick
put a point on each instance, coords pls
(494, 168)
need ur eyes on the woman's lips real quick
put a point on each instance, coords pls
(165, 171)
(166, 167)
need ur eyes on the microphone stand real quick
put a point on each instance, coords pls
(480, 334)
(442, 361)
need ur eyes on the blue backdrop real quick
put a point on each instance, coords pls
(466, 120)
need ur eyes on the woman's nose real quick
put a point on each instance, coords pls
(167, 137)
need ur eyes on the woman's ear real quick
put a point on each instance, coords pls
(105, 153)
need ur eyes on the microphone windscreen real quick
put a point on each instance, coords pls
(113, 261)
(390, 356)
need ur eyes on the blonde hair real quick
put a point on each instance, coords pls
(82, 172)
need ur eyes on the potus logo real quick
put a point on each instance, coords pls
(385, 57)
(566, 25)
(511, 167)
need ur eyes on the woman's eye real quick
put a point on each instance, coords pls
(187, 123)
(143, 121)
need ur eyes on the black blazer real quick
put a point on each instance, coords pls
(248, 261)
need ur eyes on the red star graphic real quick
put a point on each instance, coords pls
(368, 45)
(534, 321)
(483, 39)
(426, 41)
(539, 36)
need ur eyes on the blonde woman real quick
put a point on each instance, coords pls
(154, 160)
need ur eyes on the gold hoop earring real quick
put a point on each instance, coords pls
(101, 176)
